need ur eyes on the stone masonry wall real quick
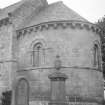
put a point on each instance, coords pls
(75, 47)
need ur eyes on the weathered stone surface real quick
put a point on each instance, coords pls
(21, 10)
(22, 92)
(72, 39)
(83, 82)
(54, 12)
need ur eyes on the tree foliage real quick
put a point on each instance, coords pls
(6, 98)
(101, 24)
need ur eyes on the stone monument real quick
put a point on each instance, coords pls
(58, 94)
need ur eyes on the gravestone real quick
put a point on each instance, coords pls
(22, 92)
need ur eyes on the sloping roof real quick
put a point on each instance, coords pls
(4, 12)
(21, 10)
(54, 12)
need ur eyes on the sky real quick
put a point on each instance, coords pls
(92, 10)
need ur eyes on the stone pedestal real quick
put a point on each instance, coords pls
(58, 94)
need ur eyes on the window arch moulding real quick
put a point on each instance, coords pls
(97, 57)
(37, 52)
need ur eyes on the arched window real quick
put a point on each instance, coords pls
(96, 56)
(36, 56)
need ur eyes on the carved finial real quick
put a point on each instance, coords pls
(58, 63)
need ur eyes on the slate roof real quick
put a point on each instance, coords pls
(4, 12)
(21, 10)
(54, 12)
(32, 12)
